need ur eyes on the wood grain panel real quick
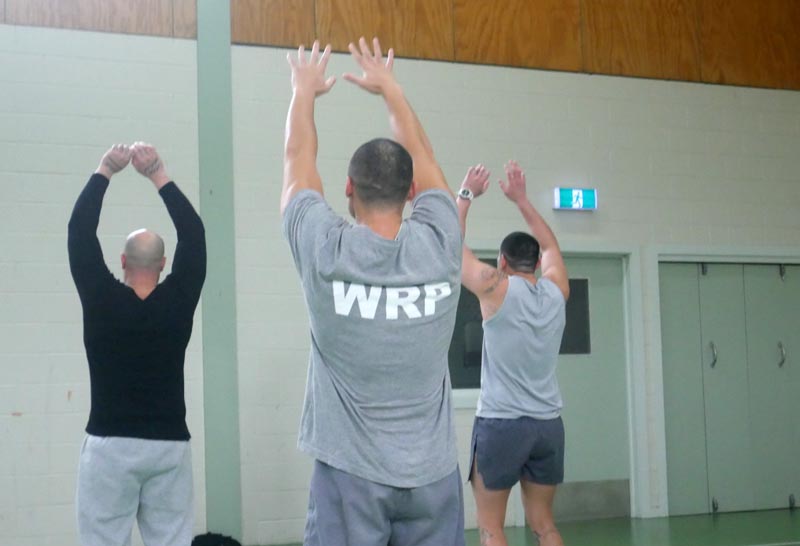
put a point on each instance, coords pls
(529, 33)
(648, 38)
(184, 18)
(414, 28)
(750, 43)
(272, 22)
(152, 17)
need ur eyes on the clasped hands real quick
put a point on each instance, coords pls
(143, 156)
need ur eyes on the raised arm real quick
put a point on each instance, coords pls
(552, 262)
(189, 264)
(378, 78)
(483, 280)
(300, 151)
(86, 261)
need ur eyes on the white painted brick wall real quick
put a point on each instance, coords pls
(66, 96)
(675, 163)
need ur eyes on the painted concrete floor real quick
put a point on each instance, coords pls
(768, 528)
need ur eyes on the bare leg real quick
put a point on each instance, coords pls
(538, 502)
(491, 507)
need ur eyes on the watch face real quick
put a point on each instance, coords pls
(465, 193)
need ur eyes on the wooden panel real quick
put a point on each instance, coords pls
(648, 38)
(414, 28)
(272, 22)
(531, 33)
(184, 14)
(153, 17)
(750, 43)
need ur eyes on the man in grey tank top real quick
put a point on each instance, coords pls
(518, 434)
(381, 297)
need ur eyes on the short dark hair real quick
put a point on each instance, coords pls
(381, 171)
(521, 251)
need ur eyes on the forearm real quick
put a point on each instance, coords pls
(463, 210)
(408, 131)
(300, 148)
(405, 124)
(86, 212)
(187, 222)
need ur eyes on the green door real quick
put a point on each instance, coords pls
(684, 410)
(594, 385)
(772, 305)
(725, 387)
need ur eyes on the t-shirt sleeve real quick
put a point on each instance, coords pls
(307, 220)
(437, 210)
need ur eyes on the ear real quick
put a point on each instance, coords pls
(502, 263)
(123, 259)
(412, 190)
(163, 262)
(348, 188)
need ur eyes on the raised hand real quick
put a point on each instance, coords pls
(146, 161)
(308, 74)
(514, 185)
(377, 74)
(477, 180)
(114, 160)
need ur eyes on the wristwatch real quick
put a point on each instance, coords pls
(466, 193)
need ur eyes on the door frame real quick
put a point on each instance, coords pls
(655, 429)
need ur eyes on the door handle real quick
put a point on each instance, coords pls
(713, 354)
(782, 361)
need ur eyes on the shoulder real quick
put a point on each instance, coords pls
(309, 208)
(550, 290)
(435, 199)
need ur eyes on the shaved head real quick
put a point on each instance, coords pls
(144, 250)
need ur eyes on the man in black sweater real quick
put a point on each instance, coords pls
(135, 462)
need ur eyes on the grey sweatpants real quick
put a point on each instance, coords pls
(345, 510)
(125, 479)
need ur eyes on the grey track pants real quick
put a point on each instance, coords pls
(122, 480)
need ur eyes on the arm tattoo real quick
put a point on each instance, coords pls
(493, 275)
(152, 168)
(485, 535)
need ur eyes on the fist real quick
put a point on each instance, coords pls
(145, 159)
(115, 159)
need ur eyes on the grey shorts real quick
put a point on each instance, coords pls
(509, 450)
(345, 510)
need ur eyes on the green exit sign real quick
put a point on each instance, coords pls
(575, 198)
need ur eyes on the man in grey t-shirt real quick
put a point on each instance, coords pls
(518, 434)
(382, 297)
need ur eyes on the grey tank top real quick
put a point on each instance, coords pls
(520, 351)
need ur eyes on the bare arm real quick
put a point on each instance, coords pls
(552, 261)
(486, 282)
(300, 150)
(406, 127)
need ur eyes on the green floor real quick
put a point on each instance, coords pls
(773, 528)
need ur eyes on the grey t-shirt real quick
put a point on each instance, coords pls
(378, 397)
(520, 350)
